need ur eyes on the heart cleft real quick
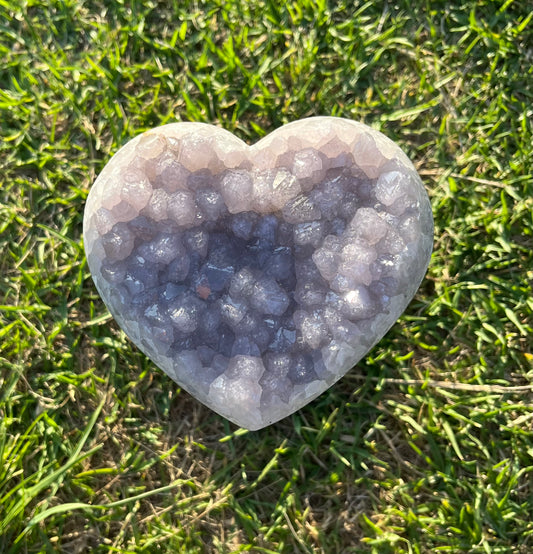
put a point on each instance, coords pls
(257, 276)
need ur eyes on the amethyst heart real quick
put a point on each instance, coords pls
(256, 276)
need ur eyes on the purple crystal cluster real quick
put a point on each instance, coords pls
(257, 276)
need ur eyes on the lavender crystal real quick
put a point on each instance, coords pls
(257, 276)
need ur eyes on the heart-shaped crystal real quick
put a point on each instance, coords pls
(256, 276)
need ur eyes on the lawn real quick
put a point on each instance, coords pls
(427, 444)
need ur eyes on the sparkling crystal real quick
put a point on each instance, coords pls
(257, 276)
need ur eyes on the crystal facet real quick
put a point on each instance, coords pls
(256, 276)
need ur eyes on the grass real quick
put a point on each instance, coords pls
(427, 445)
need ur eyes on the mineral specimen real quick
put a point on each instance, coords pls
(256, 276)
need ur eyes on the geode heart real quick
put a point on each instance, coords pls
(257, 276)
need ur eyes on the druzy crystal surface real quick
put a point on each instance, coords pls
(256, 276)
